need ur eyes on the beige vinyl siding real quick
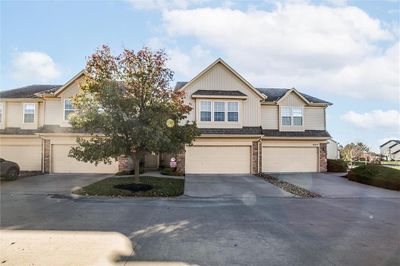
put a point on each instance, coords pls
(26, 152)
(220, 78)
(53, 114)
(14, 114)
(70, 91)
(217, 160)
(3, 115)
(41, 110)
(269, 117)
(314, 118)
(61, 163)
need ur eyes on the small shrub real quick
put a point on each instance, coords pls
(337, 166)
(170, 171)
(131, 172)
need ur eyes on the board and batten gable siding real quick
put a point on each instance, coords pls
(314, 118)
(220, 78)
(291, 100)
(269, 117)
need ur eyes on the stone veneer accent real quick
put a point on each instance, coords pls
(255, 159)
(323, 161)
(180, 162)
(46, 156)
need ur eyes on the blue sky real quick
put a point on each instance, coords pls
(346, 52)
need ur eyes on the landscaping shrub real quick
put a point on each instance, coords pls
(131, 172)
(376, 175)
(170, 171)
(337, 166)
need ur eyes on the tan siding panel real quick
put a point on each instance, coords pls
(269, 117)
(289, 159)
(14, 114)
(217, 160)
(26, 152)
(292, 100)
(314, 118)
(53, 113)
(61, 163)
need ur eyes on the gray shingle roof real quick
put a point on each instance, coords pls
(219, 93)
(274, 94)
(306, 133)
(28, 91)
(394, 140)
(232, 131)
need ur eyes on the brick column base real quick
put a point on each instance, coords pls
(180, 162)
(255, 157)
(46, 156)
(323, 161)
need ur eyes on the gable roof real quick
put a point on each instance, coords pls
(63, 87)
(220, 61)
(395, 140)
(275, 94)
(28, 91)
(219, 93)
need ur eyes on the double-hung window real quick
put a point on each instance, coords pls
(219, 111)
(1, 112)
(205, 111)
(233, 111)
(29, 112)
(292, 116)
(68, 108)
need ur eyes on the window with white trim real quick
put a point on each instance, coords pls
(291, 116)
(205, 111)
(1, 112)
(29, 112)
(219, 111)
(68, 108)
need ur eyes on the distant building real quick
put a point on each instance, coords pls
(390, 150)
(333, 150)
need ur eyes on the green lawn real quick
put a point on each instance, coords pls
(162, 187)
(376, 175)
(391, 162)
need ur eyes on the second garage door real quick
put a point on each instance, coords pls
(217, 160)
(61, 163)
(289, 159)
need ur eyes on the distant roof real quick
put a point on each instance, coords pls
(273, 94)
(28, 91)
(394, 140)
(219, 93)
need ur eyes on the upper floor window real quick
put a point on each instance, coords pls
(1, 112)
(29, 112)
(222, 111)
(205, 111)
(68, 108)
(292, 116)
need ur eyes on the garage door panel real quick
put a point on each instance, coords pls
(289, 159)
(27, 157)
(61, 163)
(217, 160)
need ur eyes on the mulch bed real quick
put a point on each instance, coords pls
(134, 187)
(296, 190)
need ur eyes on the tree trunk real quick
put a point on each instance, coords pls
(136, 159)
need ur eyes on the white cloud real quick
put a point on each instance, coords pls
(188, 64)
(34, 67)
(310, 47)
(375, 119)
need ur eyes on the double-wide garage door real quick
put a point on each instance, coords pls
(61, 163)
(289, 159)
(28, 157)
(217, 159)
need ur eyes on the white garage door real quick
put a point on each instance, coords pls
(289, 159)
(61, 163)
(217, 160)
(29, 158)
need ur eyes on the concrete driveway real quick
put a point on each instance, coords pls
(335, 186)
(192, 231)
(230, 185)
